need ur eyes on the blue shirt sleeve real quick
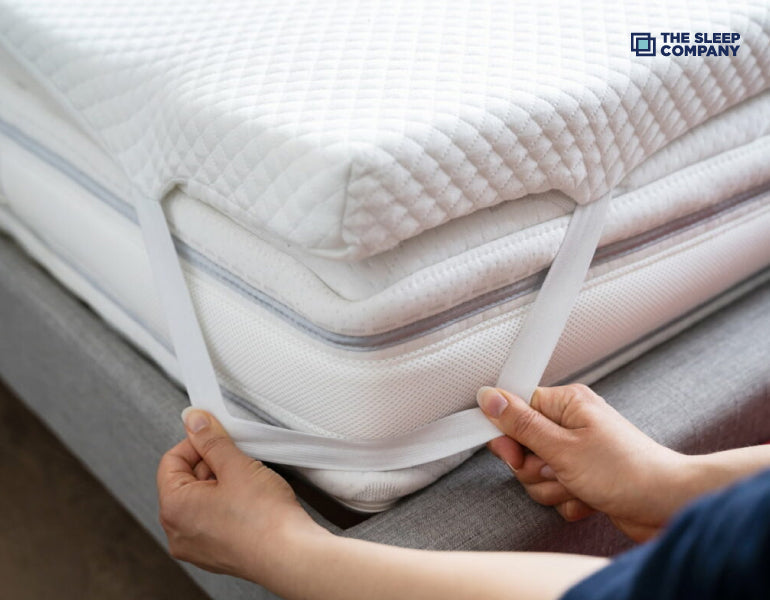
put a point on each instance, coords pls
(718, 548)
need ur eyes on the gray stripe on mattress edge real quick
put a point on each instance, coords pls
(399, 335)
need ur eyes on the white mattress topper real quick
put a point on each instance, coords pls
(345, 129)
(718, 159)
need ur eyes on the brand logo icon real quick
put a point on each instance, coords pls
(643, 44)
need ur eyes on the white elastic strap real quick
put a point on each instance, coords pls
(548, 315)
(461, 431)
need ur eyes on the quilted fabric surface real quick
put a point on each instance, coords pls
(344, 128)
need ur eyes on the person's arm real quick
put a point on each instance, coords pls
(586, 456)
(343, 568)
(230, 514)
(720, 469)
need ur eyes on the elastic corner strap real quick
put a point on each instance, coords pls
(528, 358)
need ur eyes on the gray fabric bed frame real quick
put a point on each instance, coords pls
(704, 390)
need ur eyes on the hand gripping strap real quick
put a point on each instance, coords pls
(529, 355)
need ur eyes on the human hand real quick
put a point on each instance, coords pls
(224, 511)
(585, 457)
(230, 514)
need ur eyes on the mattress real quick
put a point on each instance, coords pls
(366, 199)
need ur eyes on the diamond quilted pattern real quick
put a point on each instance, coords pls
(346, 128)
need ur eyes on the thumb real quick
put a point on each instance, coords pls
(212, 442)
(518, 420)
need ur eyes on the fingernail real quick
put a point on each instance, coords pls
(491, 401)
(194, 420)
(546, 472)
(505, 462)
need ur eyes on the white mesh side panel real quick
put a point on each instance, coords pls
(614, 309)
(629, 301)
(310, 386)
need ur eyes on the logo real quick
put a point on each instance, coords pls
(686, 43)
(643, 44)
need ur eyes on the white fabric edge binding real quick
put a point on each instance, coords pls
(526, 362)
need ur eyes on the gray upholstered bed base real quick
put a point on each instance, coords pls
(706, 389)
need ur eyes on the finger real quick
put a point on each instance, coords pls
(212, 442)
(574, 510)
(176, 467)
(203, 471)
(548, 493)
(507, 450)
(554, 402)
(531, 470)
(516, 419)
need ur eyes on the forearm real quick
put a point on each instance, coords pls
(327, 566)
(700, 474)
